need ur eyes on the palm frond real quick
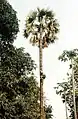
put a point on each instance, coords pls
(50, 14)
(32, 17)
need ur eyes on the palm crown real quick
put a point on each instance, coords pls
(44, 19)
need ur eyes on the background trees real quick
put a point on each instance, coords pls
(65, 89)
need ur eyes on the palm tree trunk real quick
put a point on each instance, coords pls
(73, 83)
(41, 79)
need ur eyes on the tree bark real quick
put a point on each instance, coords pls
(66, 106)
(73, 83)
(41, 79)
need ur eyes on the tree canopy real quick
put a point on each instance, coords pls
(41, 18)
(8, 22)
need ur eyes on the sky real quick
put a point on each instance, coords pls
(66, 11)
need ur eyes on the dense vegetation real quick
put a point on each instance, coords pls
(19, 91)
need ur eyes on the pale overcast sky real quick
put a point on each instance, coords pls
(67, 14)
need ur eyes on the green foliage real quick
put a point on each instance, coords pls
(8, 22)
(18, 87)
(8, 31)
(19, 91)
(19, 100)
(16, 62)
(41, 18)
(67, 55)
(48, 112)
(64, 89)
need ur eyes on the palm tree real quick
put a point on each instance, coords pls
(41, 28)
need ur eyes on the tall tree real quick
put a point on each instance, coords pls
(41, 27)
(72, 56)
